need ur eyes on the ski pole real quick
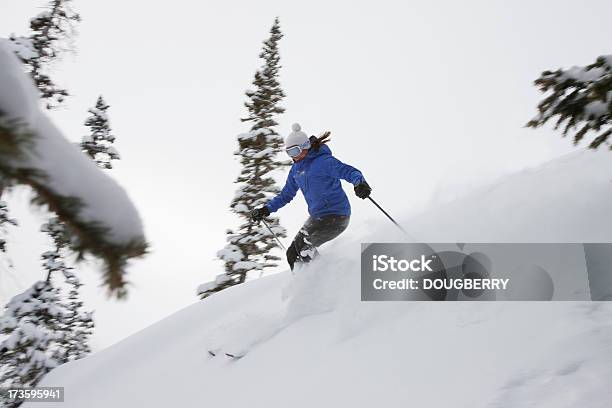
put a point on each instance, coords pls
(279, 242)
(388, 216)
(275, 237)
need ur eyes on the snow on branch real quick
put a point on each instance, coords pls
(98, 212)
(580, 98)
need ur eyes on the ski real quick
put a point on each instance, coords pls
(235, 356)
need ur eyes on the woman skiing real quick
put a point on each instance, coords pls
(317, 174)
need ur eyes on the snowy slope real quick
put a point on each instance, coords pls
(323, 347)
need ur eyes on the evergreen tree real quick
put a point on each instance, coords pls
(80, 324)
(42, 330)
(51, 32)
(248, 248)
(580, 98)
(33, 326)
(77, 324)
(99, 143)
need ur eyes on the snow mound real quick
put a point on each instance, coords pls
(312, 342)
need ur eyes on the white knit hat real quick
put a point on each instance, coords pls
(297, 137)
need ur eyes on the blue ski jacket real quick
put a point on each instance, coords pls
(318, 177)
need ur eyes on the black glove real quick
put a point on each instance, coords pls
(260, 213)
(363, 190)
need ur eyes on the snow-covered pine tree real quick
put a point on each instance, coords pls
(77, 324)
(248, 248)
(580, 98)
(42, 330)
(33, 324)
(51, 32)
(99, 143)
(80, 324)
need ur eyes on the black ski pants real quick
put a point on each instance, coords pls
(314, 233)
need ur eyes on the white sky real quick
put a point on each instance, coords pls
(426, 98)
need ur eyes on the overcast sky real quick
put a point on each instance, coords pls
(427, 98)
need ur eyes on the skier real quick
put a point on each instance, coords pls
(317, 174)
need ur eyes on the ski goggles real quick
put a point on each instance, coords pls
(294, 151)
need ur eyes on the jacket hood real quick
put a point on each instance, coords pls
(323, 150)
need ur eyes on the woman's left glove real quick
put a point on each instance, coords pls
(363, 190)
